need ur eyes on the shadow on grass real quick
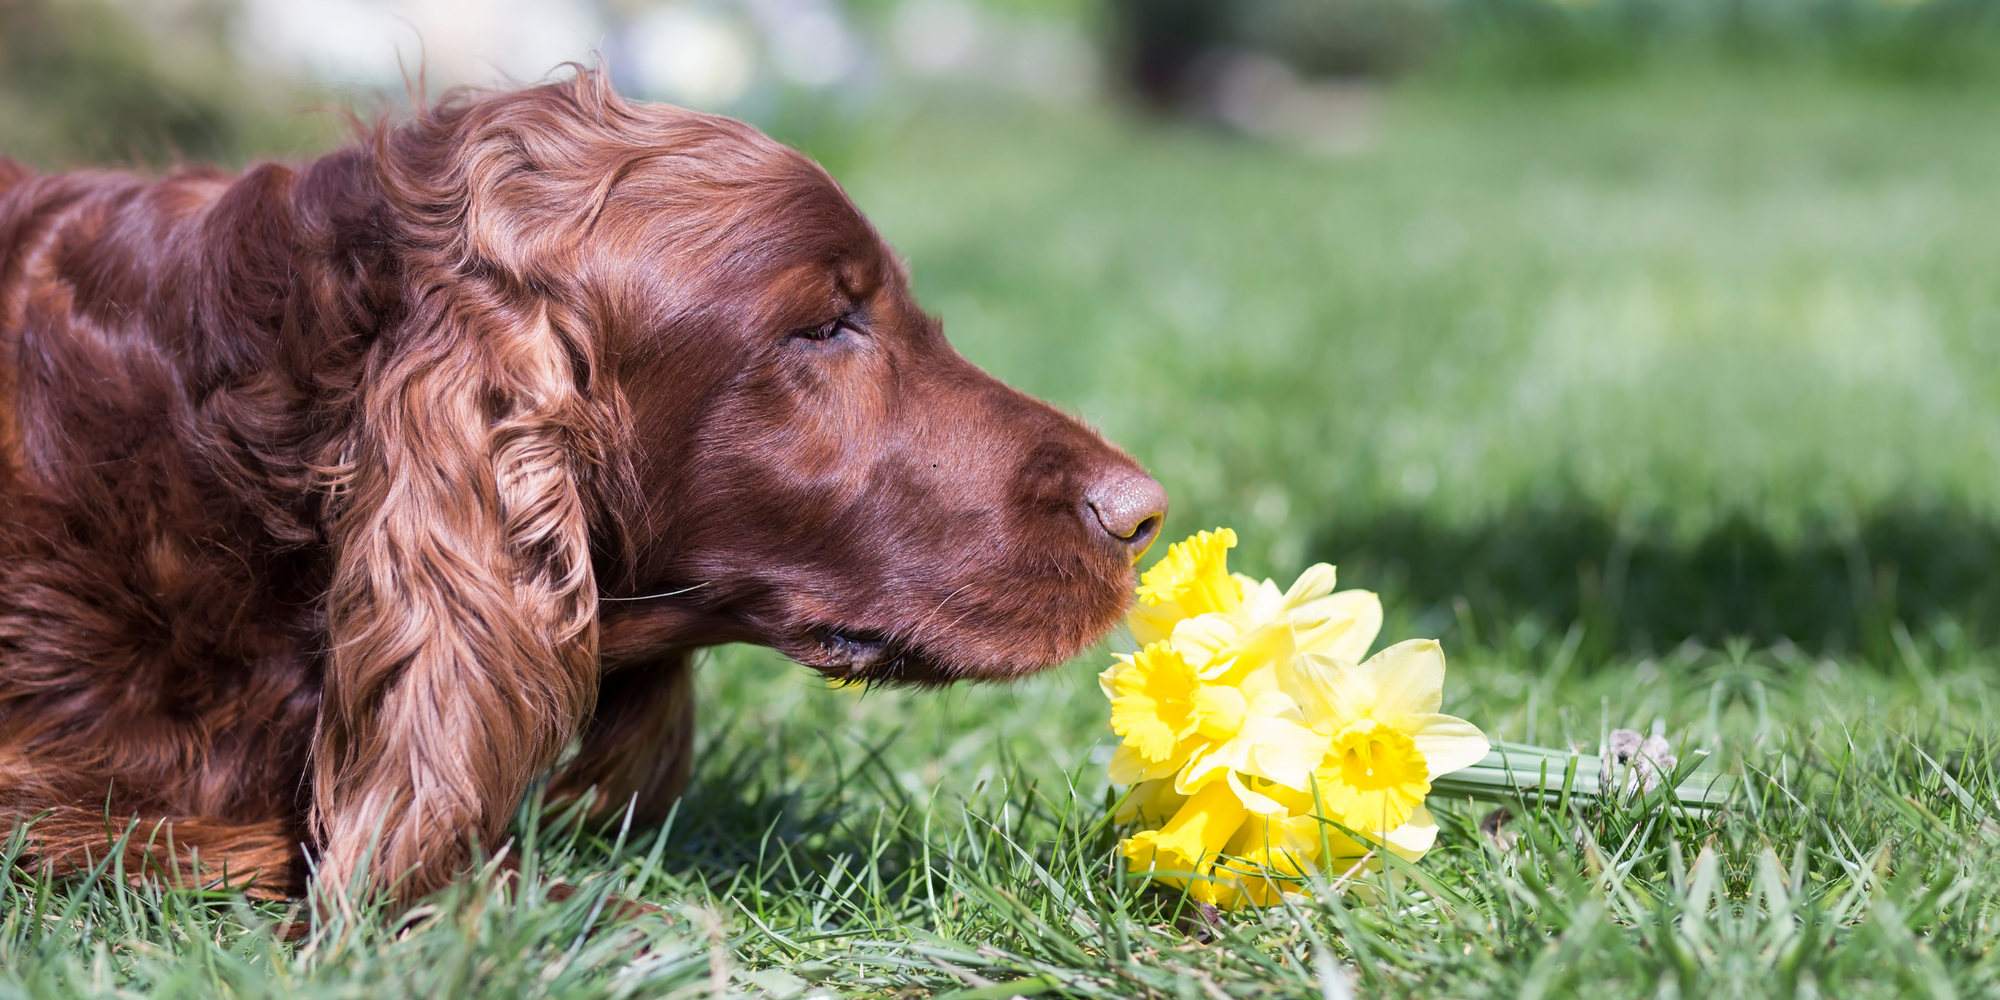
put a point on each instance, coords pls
(756, 793)
(1835, 585)
(815, 841)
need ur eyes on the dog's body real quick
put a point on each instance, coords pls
(337, 502)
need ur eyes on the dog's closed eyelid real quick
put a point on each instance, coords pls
(832, 329)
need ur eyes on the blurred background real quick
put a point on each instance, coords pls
(1661, 318)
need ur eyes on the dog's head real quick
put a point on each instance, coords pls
(634, 380)
(770, 441)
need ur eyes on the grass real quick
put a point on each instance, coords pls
(884, 843)
(1670, 305)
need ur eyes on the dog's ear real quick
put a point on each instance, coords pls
(461, 617)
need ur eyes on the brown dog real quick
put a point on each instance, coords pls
(339, 501)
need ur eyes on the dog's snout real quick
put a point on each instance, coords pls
(1130, 507)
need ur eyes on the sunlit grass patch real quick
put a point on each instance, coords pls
(891, 843)
(493, 934)
(1864, 829)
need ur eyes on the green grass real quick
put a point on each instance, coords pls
(885, 843)
(1669, 307)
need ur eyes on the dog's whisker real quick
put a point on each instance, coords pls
(664, 593)
(920, 626)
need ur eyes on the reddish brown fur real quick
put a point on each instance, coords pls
(332, 496)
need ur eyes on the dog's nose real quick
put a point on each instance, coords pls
(1130, 507)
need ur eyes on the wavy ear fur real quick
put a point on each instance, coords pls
(462, 612)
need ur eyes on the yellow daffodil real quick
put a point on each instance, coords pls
(1194, 575)
(1151, 803)
(1191, 597)
(1388, 739)
(1154, 707)
(1265, 856)
(1340, 624)
(1270, 856)
(1257, 746)
(1258, 733)
(1173, 721)
(1185, 848)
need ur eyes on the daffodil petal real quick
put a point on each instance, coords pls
(1316, 582)
(1271, 702)
(1204, 824)
(1262, 601)
(1219, 710)
(1129, 766)
(1200, 640)
(1262, 837)
(1263, 685)
(1330, 693)
(1301, 680)
(1252, 800)
(1267, 644)
(1151, 623)
(1150, 802)
(1107, 680)
(1233, 755)
(1342, 625)
(1447, 743)
(1281, 750)
(1415, 837)
(1265, 746)
(1408, 679)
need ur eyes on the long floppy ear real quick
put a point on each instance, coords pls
(462, 612)
(463, 609)
(482, 448)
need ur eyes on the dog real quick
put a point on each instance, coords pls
(341, 501)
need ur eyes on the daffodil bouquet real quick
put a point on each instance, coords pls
(1262, 747)
(1263, 750)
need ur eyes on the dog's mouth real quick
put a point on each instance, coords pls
(854, 649)
(861, 654)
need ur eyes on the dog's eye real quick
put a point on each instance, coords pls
(826, 331)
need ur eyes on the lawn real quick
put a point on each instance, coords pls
(1690, 335)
